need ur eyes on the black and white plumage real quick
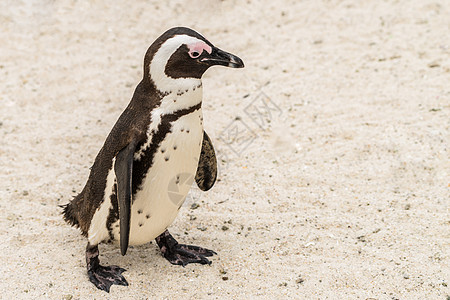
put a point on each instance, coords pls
(156, 147)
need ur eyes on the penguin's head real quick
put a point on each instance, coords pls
(180, 56)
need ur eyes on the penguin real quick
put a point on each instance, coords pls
(156, 149)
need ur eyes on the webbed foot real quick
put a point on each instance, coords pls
(102, 276)
(180, 254)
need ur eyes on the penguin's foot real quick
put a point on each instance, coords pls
(102, 276)
(179, 254)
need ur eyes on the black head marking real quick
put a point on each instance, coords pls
(181, 65)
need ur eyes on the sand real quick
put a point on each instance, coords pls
(333, 146)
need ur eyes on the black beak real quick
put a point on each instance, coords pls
(222, 58)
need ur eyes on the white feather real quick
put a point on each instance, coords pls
(98, 231)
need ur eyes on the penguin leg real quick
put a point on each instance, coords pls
(102, 277)
(179, 254)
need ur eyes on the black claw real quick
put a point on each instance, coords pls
(180, 254)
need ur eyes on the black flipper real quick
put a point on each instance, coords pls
(102, 277)
(207, 165)
(124, 171)
(180, 254)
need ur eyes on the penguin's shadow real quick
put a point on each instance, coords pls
(144, 263)
(142, 256)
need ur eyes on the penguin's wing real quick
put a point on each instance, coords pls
(123, 168)
(207, 165)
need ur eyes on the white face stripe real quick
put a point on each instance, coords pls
(158, 64)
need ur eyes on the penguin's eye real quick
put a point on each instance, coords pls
(197, 47)
(194, 54)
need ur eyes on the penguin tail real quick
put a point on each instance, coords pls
(69, 214)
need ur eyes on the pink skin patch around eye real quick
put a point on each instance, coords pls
(197, 48)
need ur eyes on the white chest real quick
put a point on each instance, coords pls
(168, 180)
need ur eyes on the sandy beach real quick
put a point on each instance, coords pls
(333, 147)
